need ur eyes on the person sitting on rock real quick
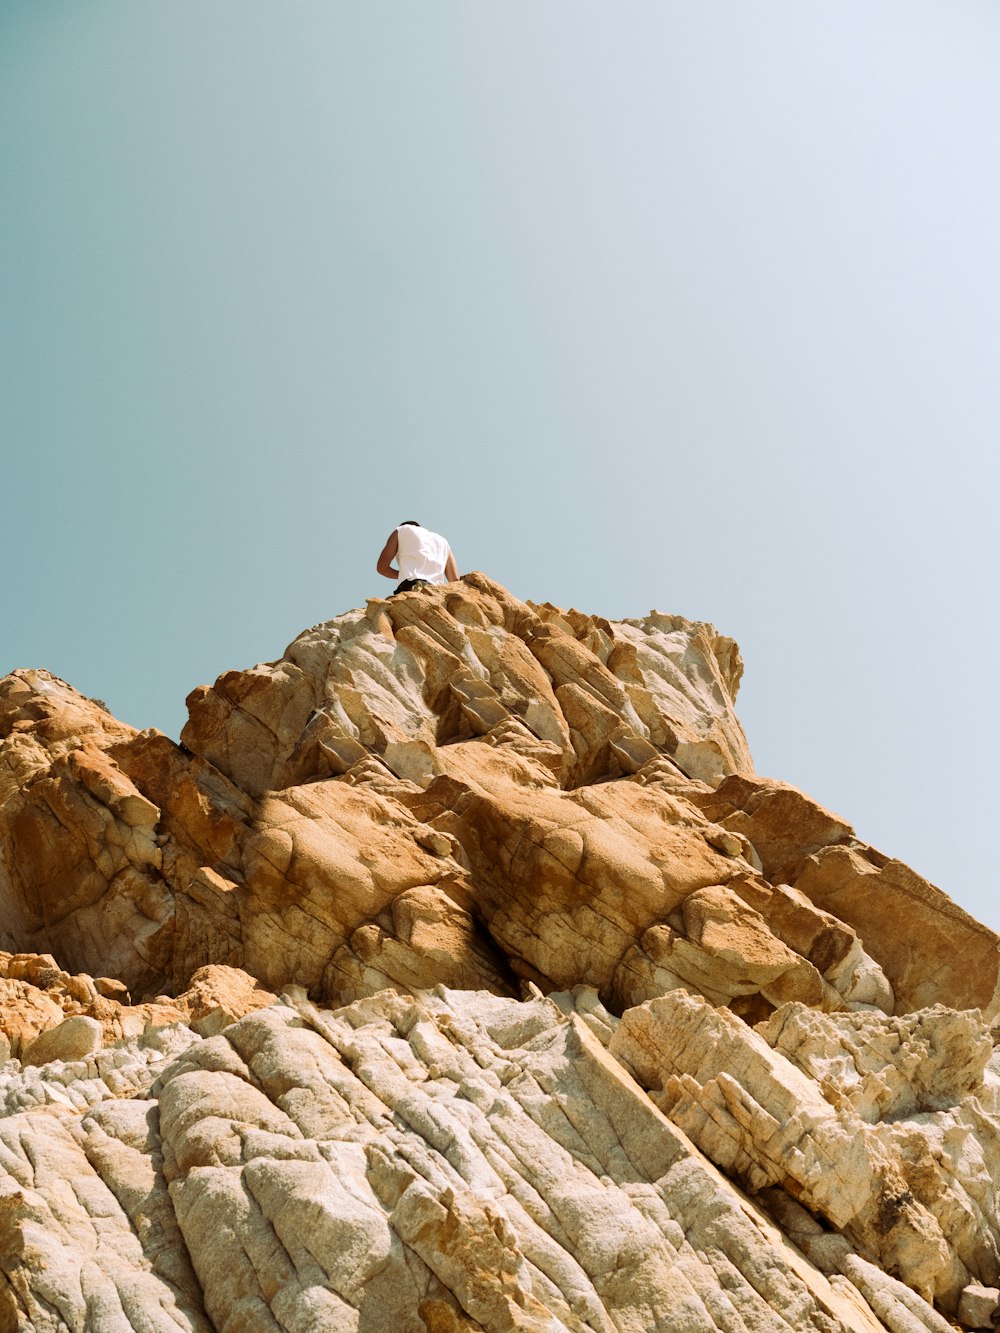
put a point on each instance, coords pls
(423, 557)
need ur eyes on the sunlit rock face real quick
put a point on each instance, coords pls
(458, 971)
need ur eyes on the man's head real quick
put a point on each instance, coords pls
(410, 523)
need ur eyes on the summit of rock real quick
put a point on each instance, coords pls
(456, 971)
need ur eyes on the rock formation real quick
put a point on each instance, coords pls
(457, 971)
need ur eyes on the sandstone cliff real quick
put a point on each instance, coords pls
(457, 971)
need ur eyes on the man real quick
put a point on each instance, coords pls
(423, 557)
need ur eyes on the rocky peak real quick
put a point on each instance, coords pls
(471, 978)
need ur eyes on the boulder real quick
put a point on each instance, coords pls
(72, 1039)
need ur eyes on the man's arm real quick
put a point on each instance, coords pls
(389, 553)
(450, 568)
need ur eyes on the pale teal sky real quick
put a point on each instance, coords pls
(692, 306)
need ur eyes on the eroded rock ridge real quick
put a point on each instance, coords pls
(458, 971)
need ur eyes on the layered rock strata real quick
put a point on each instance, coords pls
(458, 971)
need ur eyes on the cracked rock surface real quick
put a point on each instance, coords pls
(457, 971)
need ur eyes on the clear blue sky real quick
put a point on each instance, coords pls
(693, 306)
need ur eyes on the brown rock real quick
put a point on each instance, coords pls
(218, 996)
(25, 1011)
(783, 824)
(455, 789)
(931, 951)
(72, 1039)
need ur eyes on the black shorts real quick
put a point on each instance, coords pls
(409, 584)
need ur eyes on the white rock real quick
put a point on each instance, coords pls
(978, 1306)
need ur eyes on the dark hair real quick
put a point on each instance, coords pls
(410, 523)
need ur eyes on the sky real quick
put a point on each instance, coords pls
(655, 304)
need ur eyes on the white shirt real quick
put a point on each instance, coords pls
(421, 554)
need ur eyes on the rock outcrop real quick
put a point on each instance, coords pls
(457, 971)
